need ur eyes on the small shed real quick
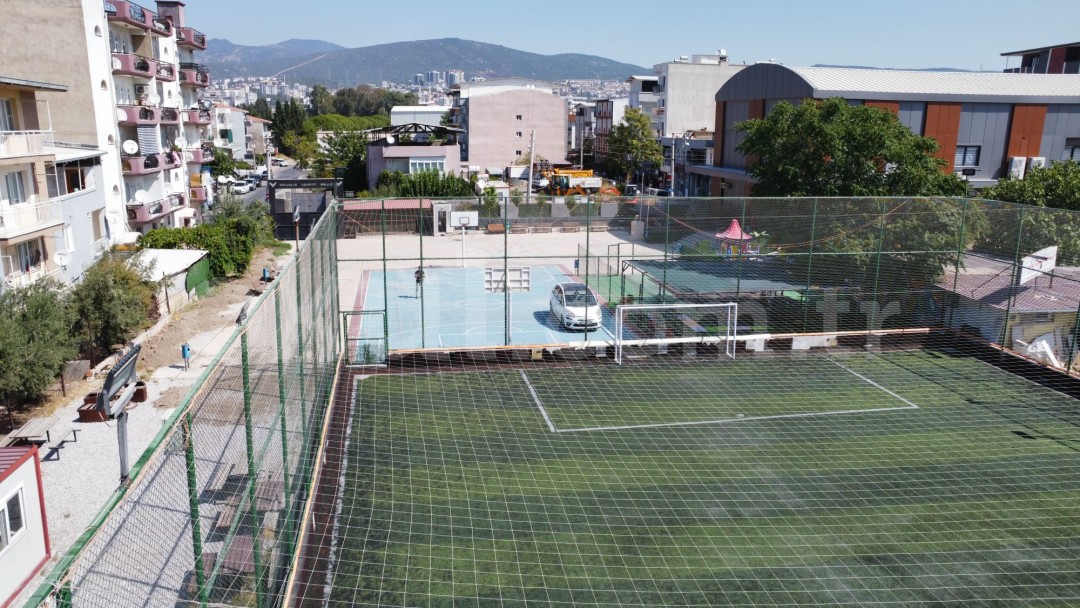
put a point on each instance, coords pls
(182, 273)
(24, 530)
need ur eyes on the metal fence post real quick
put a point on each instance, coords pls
(193, 508)
(809, 264)
(249, 440)
(282, 403)
(1013, 280)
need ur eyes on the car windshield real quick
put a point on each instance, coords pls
(580, 297)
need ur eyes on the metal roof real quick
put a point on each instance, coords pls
(12, 457)
(1039, 49)
(901, 85)
(32, 84)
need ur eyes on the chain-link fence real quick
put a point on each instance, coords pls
(213, 511)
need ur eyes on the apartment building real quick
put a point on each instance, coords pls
(644, 96)
(498, 117)
(52, 195)
(988, 125)
(134, 92)
(609, 112)
(230, 130)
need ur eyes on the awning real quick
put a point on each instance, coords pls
(734, 232)
(183, 213)
(67, 155)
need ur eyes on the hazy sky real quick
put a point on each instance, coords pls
(906, 34)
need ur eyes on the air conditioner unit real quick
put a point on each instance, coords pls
(142, 89)
(1017, 166)
(1036, 161)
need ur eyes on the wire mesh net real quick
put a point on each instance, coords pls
(900, 425)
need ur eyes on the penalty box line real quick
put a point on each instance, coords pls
(627, 427)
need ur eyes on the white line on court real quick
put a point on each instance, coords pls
(536, 398)
(871, 382)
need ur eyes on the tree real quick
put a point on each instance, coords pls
(260, 109)
(113, 301)
(1056, 191)
(348, 150)
(321, 101)
(36, 340)
(831, 148)
(426, 183)
(633, 144)
(223, 163)
(288, 118)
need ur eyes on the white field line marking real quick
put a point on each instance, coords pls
(872, 383)
(539, 404)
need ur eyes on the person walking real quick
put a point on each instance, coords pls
(419, 275)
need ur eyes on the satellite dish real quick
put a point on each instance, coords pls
(153, 99)
(390, 139)
(120, 115)
(130, 146)
(140, 196)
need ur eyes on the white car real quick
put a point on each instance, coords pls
(242, 187)
(575, 306)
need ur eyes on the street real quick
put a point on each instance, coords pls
(290, 172)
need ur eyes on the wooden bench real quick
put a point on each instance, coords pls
(34, 430)
(227, 513)
(518, 229)
(191, 581)
(496, 228)
(542, 228)
(570, 228)
(598, 228)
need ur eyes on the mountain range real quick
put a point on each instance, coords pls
(318, 62)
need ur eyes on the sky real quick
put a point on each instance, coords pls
(907, 34)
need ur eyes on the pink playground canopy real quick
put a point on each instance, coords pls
(734, 232)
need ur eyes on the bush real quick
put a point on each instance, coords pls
(35, 340)
(115, 299)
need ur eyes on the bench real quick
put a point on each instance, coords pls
(598, 228)
(54, 451)
(570, 228)
(518, 229)
(34, 430)
(217, 481)
(191, 581)
(542, 228)
(496, 228)
(227, 513)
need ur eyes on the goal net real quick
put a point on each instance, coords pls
(646, 329)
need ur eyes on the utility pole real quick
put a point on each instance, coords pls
(528, 186)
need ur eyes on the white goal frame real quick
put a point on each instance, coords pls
(725, 337)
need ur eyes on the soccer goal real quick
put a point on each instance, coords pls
(655, 327)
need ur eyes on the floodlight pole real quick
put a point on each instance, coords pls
(114, 398)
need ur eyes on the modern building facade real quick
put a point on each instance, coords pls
(230, 130)
(498, 116)
(988, 125)
(52, 196)
(1059, 59)
(644, 96)
(134, 88)
(412, 148)
(685, 92)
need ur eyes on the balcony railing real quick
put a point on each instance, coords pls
(37, 273)
(28, 217)
(197, 117)
(142, 165)
(170, 116)
(133, 116)
(199, 156)
(161, 26)
(126, 64)
(190, 38)
(166, 72)
(172, 159)
(141, 213)
(194, 77)
(24, 143)
(197, 194)
(130, 13)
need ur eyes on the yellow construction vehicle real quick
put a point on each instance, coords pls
(568, 182)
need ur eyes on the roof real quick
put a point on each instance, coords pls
(257, 119)
(10, 458)
(734, 232)
(909, 85)
(377, 205)
(989, 281)
(426, 109)
(170, 262)
(1038, 49)
(637, 77)
(37, 85)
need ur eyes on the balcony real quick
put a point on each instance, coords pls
(24, 143)
(197, 194)
(24, 218)
(99, 247)
(128, 13)
(161, 26)
(166, 72)
(142, 165)
(37, 273)
(194, 75)
(197, 117)
(173, 160)
(190, 38)
(126, 64)
(199, 156)
(134, 116)
(142, 213)
(170, 116)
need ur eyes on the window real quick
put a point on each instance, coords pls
(14, 187)
(28, 254)
(418, 165)
(517, 134)
(517, 153)
(7, 115)
(518, 117)
(12, 522)
(1072, 150)
(967, 156)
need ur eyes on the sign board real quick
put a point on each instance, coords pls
(330, 184)
(1039, 263)
(470, 219)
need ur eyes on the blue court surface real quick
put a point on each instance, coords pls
(459, 313)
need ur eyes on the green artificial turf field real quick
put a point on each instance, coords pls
(901, 478)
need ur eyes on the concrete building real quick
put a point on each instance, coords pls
(24, 530)
(423, 115)
(987, 124)
(580, 132)
(644, 96)
(52, 196)
(609, 112)
(685, 92)
(1058, 59)
(230, 130)
(258, 135)
(498, 116)
(412, 148)
(133, 91)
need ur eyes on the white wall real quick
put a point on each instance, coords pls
(22, 558)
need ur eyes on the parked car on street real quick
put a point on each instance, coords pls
(242, 187)
(575, 306)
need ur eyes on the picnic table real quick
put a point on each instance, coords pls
(240, 556)
(268, 493)
(35, 430)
